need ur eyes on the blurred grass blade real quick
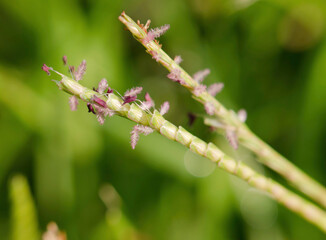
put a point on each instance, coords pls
(119, 226)
(23, 213)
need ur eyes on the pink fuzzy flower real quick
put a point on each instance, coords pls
(164, 108)
(155, 33)
(147, 24)
(131, 95)
(109, 112)
(215, 88)
(148, 98)
(178, 59)
(133, 92)
(90, 108)
(209, 108)
(109, 90)
(102, 113)
(64, 59)
(232, 138)
(148, 103)
(146, 106)
(175, 76)
(200, 76)
(46, 69)
(99, 101)
(73, 102)
(135, 134)
(199, 89)
(242, 115)
(144, 129)
(102, 86)
(129, 99)
(155, 56)
(100, 118)
(72, 69)
(80, 71)
(134, 137)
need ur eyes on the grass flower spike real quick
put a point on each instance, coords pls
(266, 155)
(150, 121)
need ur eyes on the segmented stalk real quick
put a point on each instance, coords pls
(155, 120)
(248, 139)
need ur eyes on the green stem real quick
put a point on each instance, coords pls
(267, 155)
(155, 120)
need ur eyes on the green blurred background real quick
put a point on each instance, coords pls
(62, 166)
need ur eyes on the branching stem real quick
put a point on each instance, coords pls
(157, 122)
